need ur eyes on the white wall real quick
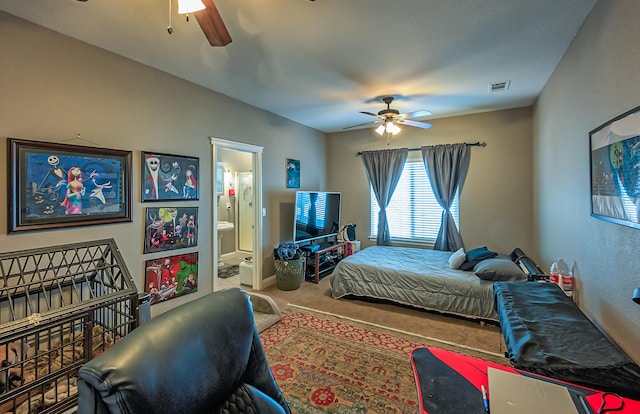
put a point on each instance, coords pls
(597, 79)
(53, 87)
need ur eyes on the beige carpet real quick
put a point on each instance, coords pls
(431, 324)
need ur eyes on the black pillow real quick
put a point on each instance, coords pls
(475, 256)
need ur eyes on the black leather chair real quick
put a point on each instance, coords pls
(201, 357)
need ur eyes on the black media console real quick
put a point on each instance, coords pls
(322, 258)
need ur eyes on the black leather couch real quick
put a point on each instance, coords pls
(202, 357)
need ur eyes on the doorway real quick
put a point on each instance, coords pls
(252, 183)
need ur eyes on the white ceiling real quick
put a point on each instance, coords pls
(321, 62)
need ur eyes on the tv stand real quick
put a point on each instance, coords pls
(321, 262)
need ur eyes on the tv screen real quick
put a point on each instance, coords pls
(317, 215)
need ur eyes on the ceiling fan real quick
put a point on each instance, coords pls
(390, 118)
(209, 20)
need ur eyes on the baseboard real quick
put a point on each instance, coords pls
(270, 281)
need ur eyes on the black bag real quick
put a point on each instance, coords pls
(347, 233)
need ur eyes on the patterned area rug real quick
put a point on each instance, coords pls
(228, 271)
(327, 364)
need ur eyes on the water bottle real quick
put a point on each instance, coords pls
(554, 273)
(566, 278)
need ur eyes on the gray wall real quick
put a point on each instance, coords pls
(53, 87)
(596, 80)
(496, 201)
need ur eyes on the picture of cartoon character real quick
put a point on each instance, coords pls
(75, 191)
(169, 228)
(169, 177)
(98, 190)
(169, 277)
(151, 180)
(190, 185)
(191, 231)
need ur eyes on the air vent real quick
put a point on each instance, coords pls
(499, 86)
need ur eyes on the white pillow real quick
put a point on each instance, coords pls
(457, 258)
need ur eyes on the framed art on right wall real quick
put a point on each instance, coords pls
(615, 170)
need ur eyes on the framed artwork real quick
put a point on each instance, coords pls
(615, 172)
(293, 173)
(170, 228)
(169, 177)
(53, 185)
(171, 276)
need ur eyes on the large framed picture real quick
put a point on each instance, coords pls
(615, 170)
(169, 177)
(171, 276)
(54, 185)
(170, 228)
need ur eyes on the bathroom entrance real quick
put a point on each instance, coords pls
(236, 208)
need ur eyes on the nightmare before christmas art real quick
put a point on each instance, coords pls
(169, 177)
(58, 185)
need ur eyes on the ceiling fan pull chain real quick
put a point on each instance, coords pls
(170, 28)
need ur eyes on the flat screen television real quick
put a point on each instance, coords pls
(317, 215)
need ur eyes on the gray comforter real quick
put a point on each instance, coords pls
(416, 277)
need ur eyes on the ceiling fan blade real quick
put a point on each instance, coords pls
(372, 114)
(212, 25)
(416, 114)
(359, 125)
(423, 125)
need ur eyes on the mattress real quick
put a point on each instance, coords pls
(547, 333)
(415, 277)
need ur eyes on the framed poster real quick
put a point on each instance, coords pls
(293, 173)
(170, 228)
(169, 177)
(615, 170)
(53, 185)
(171, 276)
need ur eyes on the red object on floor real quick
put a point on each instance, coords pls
(450, 383)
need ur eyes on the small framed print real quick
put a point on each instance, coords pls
(293, 173)
(170, 228)
(169, 177)
(171, 276)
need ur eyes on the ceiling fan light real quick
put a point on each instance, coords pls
(390, 127)
(380, 130)
(189, 6)
(393, 129)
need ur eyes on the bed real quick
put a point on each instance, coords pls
(417, 277)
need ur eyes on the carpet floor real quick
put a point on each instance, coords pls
(457, 330)
(324, 363)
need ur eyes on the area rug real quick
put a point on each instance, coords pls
(327, 364)
(228, 271)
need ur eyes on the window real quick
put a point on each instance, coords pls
(413, 214)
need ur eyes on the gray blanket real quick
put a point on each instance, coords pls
(416, 277)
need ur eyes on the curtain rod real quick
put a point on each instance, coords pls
(472, 144)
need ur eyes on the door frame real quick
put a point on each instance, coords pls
(256, 165)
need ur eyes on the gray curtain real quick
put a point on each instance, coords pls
(447, 167)
(384, 169)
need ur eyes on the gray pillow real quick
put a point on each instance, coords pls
(499, 269)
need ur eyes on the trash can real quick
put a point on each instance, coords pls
(144, 307)
(289, 273)
(246, 271)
